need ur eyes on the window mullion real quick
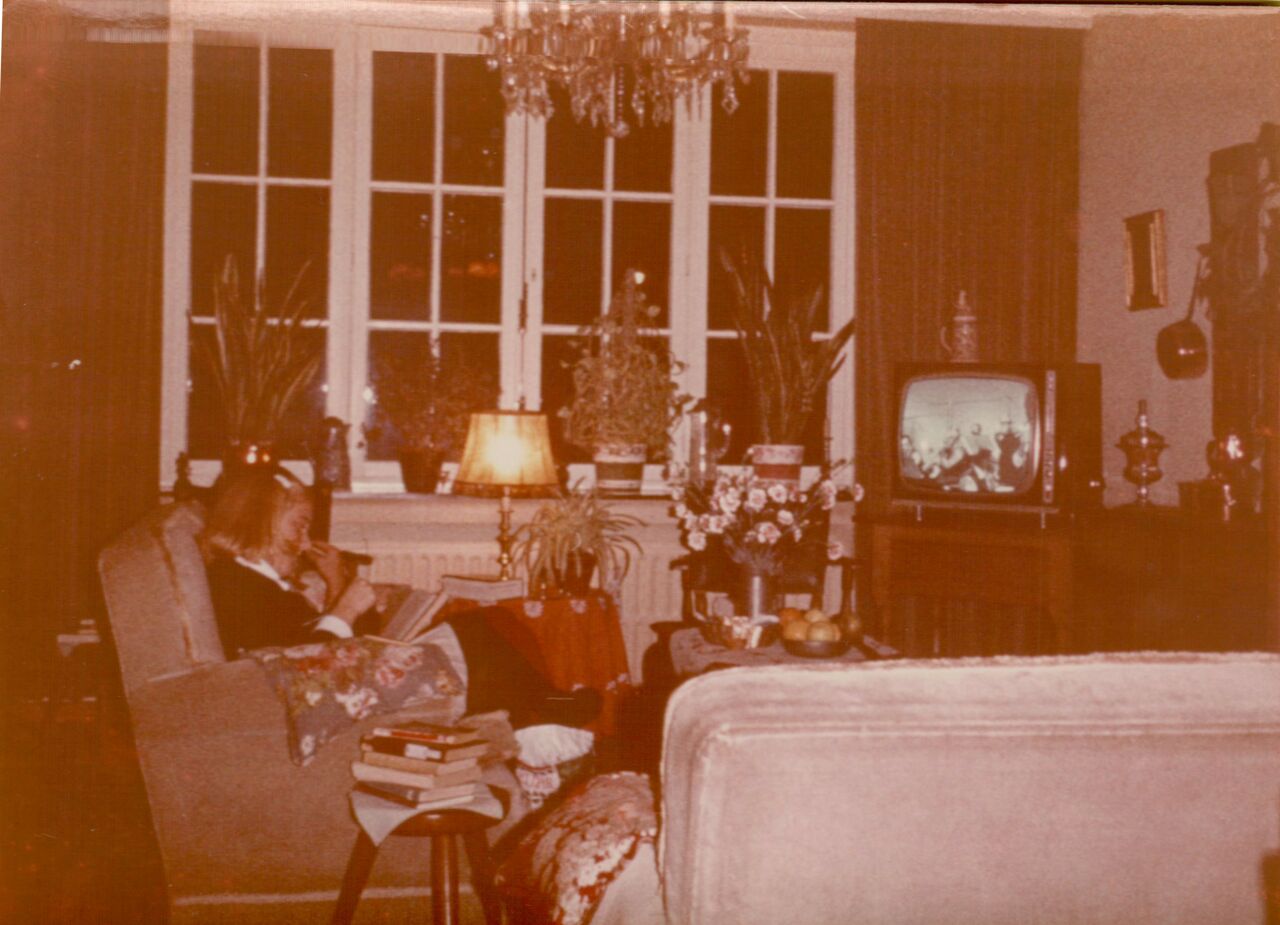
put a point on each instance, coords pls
(361, 196)
(690, 185)
(437, 208)
(770, 176)
(346, 364)
(522, 224)
(260, 216)
(179, 118)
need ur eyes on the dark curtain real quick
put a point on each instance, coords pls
(81, 228)
(966, 180)
(967, 163)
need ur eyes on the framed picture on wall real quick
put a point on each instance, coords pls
(1145, 269)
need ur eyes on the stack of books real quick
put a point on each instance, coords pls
(421, 764)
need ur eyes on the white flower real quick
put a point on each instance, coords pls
(677, 493)
(357, 702)
(835, 550)
(729, 502)
(682, 509)
(697, 541)
(858, 491)
(689, 520)
(786, 518)
(307, 745)
(768, 533)
(778, 493)
(797, 534)
(312, 698)
(716, 523)
(756, 500)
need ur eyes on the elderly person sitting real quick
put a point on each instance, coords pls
(258, 550)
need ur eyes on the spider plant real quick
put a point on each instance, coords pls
(565, 534)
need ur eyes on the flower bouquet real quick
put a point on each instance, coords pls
(759, 523)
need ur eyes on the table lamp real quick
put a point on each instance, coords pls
(507, 453)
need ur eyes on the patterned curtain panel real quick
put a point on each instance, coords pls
(81, 226)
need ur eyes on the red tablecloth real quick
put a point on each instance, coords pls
(578, 644)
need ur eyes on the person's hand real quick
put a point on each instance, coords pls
(358, 597)
(328, 562)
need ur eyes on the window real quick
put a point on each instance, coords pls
(381, 160)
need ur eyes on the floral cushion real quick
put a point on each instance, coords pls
(328, 686)
(560, 871)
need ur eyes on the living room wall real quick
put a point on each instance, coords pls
(1160, 91)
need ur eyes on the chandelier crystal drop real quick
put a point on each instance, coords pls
(609, 56)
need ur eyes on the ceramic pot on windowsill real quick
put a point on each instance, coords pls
(240, 457)
(620, 468)
(777, 462)
(420, 469)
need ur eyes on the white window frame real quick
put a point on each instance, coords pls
(348, 310)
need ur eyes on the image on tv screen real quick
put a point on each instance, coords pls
(975, 434)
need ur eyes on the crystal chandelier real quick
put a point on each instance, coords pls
(607, 55)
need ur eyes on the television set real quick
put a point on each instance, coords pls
(999, 436)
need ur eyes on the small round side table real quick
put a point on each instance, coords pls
(444, 827)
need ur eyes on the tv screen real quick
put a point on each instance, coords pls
(975, 434)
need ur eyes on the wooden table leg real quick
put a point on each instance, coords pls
(444, 880)
(353, 881)
(482, 877)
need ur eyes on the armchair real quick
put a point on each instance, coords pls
(243, 832)
(1136, 788)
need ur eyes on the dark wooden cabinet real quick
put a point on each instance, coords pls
(1155, 578)
(1121, 579)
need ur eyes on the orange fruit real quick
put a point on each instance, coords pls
(823, 631)
(815, 615)
(787, 614)
(796, 630)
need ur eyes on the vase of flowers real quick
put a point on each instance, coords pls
(757, 523)
(625, 401)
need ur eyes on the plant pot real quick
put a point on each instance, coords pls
(240, 458)
(420, 470)
(574, 581)
(778, 462)
(620, 468)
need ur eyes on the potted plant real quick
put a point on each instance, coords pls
(787, 368)
(425, 402)
(261, 363)
(625, 402)
(570, 537)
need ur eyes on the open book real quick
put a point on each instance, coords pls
(417, 611)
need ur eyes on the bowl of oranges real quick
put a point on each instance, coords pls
(812, 634)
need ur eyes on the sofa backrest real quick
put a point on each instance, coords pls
(1127, 788)
(157, 596)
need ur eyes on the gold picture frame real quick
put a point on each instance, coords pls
(1145, 269)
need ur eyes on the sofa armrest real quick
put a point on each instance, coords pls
(226, 698)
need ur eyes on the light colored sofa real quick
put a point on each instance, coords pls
(245, 834)
(1131, 788)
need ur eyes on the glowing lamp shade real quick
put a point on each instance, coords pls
(507, 449)
(507, 453)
